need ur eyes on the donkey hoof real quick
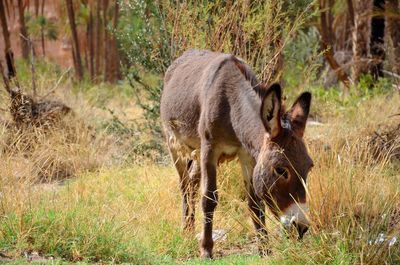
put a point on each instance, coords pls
(206, 254)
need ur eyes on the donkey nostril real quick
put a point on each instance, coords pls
(301, 229)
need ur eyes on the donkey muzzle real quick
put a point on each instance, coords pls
(296, 215)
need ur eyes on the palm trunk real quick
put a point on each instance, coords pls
(75, 41)
(7, 47)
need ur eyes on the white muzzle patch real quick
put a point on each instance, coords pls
(295, 213)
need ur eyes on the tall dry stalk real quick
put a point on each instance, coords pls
(256, 31)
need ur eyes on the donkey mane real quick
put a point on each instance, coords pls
(260, 88)
(249, 75)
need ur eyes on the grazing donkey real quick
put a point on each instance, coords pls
(214, 109)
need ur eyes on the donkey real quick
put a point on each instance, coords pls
(214, 109)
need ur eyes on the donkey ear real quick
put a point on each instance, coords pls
(298, 114)
(271, 110)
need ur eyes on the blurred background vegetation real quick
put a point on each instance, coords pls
(330, 44)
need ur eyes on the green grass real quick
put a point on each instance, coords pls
(132, 215)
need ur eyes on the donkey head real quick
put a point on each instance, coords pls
(282, 166)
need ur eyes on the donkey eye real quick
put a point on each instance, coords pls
(281, 171)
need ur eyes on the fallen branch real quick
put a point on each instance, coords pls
(391, 74)
(26, 111)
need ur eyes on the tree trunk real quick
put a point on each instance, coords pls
(393, 34)
(342, 34)
(98, 39)
(7, 47)
(116, 64)
(37, 5)
(106, 43)
(42, 31)
(347, 34)
(42, 8)
(112, 66)
(23, 31)
(350, 9)
(331, 33)
(327, 47)
(7, 8)
(75, 41)
(90, 40)
(361, 37)
(377, 38)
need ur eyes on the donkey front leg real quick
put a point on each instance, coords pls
(210, 197)
(257, 209)
(256, 206)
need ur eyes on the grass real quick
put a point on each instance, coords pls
(115, 206)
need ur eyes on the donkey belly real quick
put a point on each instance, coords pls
(180, 120)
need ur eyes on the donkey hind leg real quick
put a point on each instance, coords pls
(209, 198)
(194, 183)
(189, 175)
